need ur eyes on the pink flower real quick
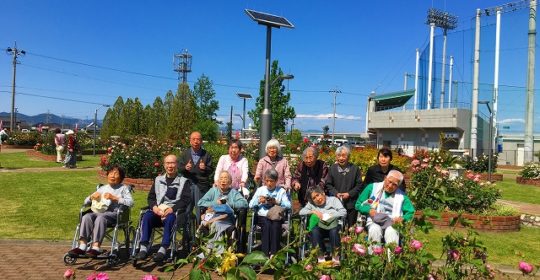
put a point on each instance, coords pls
(359, 249)
(416, 245)
(346, 239)
(102, 276)
(470, 175)
(358, 230)
(325, 277)
(308, 267)
(430, 277)
(398, 250)
(415, 162)
(424, 165)
(454, 255)
(377, 250)
(149, 277)
(156, 164)
(69, 273)
(476, 179)
(426, 159)
(526, 268)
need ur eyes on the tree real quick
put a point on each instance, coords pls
(204, 95)
(157, 119)
(183, 114)
(279, 102)
(111, 120)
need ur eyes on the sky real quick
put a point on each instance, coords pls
(95, 51)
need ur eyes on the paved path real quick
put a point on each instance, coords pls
(522, 207)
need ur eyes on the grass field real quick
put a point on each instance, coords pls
(517, 192)
(21, 160)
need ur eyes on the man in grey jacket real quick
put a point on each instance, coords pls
(169, 194)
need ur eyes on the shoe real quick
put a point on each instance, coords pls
(142, 255)
(93, 253)
(159, 257)
(75, 252)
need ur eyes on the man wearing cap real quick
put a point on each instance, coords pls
(385, 204)
(170, 193)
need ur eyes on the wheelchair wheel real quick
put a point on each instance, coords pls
(113, 260)
(69, 259)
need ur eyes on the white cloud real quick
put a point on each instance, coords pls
(505, 121)
(328, 116)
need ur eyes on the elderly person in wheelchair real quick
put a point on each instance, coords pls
(385, 204)
(270, 202)
(221, 200)
(104, 203)
(326, 212)
(170, 194)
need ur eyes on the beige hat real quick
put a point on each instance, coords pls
(69, 132)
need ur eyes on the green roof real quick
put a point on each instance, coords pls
(392, 100)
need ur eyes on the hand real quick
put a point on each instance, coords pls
(110, 196)
(257, 179)
(202, 166)
(296, 186)
(189, 165)
(95, 196)
(271, 201)
(317, 213)
(167, 212)
(344, 195)
(157, 211)
(372, 212)
(218, 201)
(397, 220)
(262, 199)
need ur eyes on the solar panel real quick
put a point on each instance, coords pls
(244, 95)
(268, 19)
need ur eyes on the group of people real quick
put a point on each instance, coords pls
(327, 194)
(66, 142)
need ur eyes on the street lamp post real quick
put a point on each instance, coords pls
(95, 126)
(490, 154)
(270, 21)
(244, 96)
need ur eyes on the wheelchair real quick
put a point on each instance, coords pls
(237, 232)
(188, 230)
(255, 232)
(305, 236)
(123, 223)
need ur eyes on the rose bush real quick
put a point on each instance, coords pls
(531, 171)
(24, 138)
(365, 157)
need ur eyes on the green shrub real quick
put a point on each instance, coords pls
(24, 139)
(480, 164)
(531, 171)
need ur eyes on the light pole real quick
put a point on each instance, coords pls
(270, 21)
(334, 92)
(490, 154)
(95, 126)
(244, 96)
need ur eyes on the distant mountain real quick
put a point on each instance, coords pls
(47, 118)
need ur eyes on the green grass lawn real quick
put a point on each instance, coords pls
(21, 160)
(510, 190)
(45, 205)
(503, 248)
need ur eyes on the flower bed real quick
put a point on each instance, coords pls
(525, 181)
(478, 222)
(494, 177)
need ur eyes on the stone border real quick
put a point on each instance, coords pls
(531, 182)
(530, 220)
(138, 183)
(482, 223)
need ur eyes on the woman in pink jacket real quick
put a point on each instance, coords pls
(274, 160)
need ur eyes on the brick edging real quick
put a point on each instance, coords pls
(482, 223)
(531, 182)
(494, 176)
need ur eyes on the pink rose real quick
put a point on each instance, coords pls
(526, 268)
(68, 273)
(359, 249)
(346, 239)
(325, 277)
(470, 175)
(308, 267)
(454, 255)
(398, 250)
(426, 159)
(415, 162)
(424, 165)
(358, 230)
(430, 277)
(91, 276)
(416, 245)
(377, 250)
(149, 277)
(102, 276)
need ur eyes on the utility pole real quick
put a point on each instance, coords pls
(529, 112)
(15, 53)
(182, 65)
(334, 92)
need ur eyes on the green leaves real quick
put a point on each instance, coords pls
(255, 258)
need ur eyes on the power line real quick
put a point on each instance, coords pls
(56, 98)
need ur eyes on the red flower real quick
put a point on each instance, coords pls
(156, 164)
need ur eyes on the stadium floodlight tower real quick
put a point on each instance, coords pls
(270, 21)
(446, 21)
(182, 64)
